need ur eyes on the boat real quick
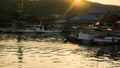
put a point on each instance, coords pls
(8, 30)
(106, 40)
(94, 36)
(118, 38)
(37, 29)
(98, 39)
(85, 37)
(72, 37)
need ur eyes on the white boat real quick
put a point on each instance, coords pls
(89, 35)
(36, 29)
(85, 37)
(98, 39)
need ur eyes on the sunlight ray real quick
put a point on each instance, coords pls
(68, 10)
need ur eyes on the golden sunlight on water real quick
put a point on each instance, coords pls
(49, 54)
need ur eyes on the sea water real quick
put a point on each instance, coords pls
(50, 51)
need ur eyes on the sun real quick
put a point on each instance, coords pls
(77, 0)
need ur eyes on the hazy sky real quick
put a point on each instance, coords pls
(111, 2)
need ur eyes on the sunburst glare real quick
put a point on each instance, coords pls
(77, 0)
(75, 3)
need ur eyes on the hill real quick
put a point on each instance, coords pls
(48, 7)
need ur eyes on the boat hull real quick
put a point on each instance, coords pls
(85, 41)
(106, 42)
(72, 39)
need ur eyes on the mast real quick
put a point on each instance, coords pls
(20, 7)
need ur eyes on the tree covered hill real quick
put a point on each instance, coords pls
(49, 7)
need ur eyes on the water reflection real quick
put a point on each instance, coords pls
(110, 51)
(49, 51)
(20, 56)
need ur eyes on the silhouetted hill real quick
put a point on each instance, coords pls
(48, 7)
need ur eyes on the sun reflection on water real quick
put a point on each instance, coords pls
(48, 53)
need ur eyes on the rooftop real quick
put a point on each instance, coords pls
(99, 11)
(84, 17)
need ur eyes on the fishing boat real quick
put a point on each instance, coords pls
(86, 35)
(106, 40)
(37, 29)
(8, 30)
(72, 37)
(109, 37)
(99, 37)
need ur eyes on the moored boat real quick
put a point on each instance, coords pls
(72, 37)
(106, 40)
(85, 37)
(8, 30)
(37, 29)
(31, 29)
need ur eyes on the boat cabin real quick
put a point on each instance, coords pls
(34, 27)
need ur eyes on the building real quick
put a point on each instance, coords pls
(79, 21)
(93, 17)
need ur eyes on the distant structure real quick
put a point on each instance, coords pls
(100, 13)
(81, 20)
(93, 17)
(20, 7)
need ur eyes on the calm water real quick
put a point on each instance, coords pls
(50, 51)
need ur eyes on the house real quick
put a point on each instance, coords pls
(93, 17)
(81, 20)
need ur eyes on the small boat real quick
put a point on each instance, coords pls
(72, 37)
(85, 37)
(94, 36)
(37, 29)
(106, 40)
(8, 30)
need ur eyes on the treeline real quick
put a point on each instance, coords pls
(49, 7)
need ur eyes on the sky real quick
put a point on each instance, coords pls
(109, 2)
